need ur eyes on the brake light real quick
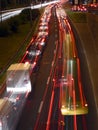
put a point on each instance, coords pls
(26, 52)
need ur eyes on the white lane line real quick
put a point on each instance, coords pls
(48, 80)
(56, 35)
(52, 63)
(56, 30)
(40, 107)
(55, 50)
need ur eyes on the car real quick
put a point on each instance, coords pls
(43, 27)
(28, 58)
(43, 33)
(80, 8)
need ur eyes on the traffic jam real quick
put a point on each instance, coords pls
(37, 45)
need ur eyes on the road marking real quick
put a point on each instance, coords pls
(56, 35)
(48, 80)
(55, 26)
(52, 63)
(56, 30)
(40, 107)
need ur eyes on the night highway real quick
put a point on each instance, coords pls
(57, 99)
(42, 109)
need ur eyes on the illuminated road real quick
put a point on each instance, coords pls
(44, 104)
(43, 107)
(56, 85)
(34, 114)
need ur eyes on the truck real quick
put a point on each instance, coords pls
(18, 78)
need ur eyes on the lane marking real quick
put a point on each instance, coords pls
(40, 107)
(52, 63)
(56, 35)
(55, 30)
(48, 80)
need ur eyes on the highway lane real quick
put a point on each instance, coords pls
(71, 72)
(57, 120)
(87, 58)
(42, 120)
(35, 100)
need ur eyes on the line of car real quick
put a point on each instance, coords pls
(79, 8)
(37, 45)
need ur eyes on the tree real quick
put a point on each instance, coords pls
(3, 4)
